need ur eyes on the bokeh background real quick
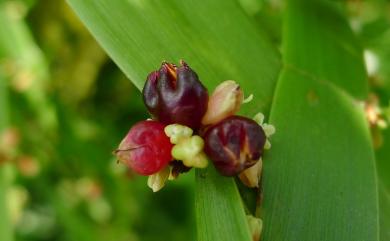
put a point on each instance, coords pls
(65, 106)
(69, 106)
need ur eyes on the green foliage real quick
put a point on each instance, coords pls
(321, 170)
(68, 186)
(138, 43)
(375, 35)
(219, 208)
(67, 106)
(383, 167)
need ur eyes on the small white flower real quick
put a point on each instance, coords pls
(267, 144)
(259, 118)
(269, 129)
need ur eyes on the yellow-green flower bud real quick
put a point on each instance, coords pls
(269, 129)
(177, 132)
(198, 161)
(190, 151)
(157, 181)
(251, 176)
(255, 226)
(225, 101)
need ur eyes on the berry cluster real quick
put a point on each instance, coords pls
(188, 127)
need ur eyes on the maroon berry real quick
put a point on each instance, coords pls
(175, 95)
(145, 149)
(234, 144)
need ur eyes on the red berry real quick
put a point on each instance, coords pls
(234, 144)
(145, 149)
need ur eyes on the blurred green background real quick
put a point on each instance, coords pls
(68, 106)
(64, 106)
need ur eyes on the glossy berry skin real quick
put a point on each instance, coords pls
(145, 149)
(234, 144)
(175, 95)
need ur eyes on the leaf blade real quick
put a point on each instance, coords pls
(164, 35)
(383, 169)
(218, 50)
(326, 42)
(319, 178)
(215, 193)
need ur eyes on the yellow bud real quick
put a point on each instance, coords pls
(157, 180)
(255, 227)
(198, 161)
(225, 101)
(259, 118)
(190, 151)
(251, 176)
(177, 132)
(268, 129)
(188, 148)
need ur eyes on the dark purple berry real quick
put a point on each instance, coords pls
(234, 144)
(175, 95)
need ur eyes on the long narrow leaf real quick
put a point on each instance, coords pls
(139, 35)
(319, 179)
(383, 167)
(384, 207)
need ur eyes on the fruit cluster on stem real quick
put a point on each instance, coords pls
(188, 127)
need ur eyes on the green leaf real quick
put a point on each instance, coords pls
(318, 41)
(383, 168)
(319, 178)
(5, 223)
(383, 159)
(220, 42)
(384, 208)
(138, 35)
(214, 194)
